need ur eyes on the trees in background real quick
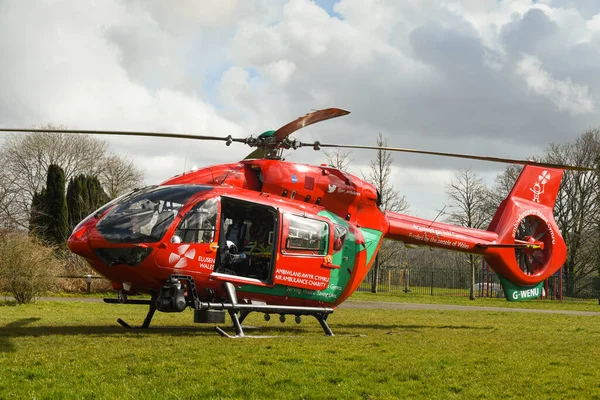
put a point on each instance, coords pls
(339, 159)
(57, 230)
(84, 195)
(118, 175)
(27, 157)
(576, 210)
(468, 197)
(380, 176)
(597, 214)
(48, 219)
(53, 214)
(38, 217)
(77, 200)
(468, 205)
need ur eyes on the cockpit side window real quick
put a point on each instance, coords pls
(199, 224)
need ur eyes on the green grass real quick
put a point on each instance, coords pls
(76, 350)
(579, 305)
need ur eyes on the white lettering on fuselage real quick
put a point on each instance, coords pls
(536, 213)
(439, 237)
(526, 294)
(206, 263)
(303, 278)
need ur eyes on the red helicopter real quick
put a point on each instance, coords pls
(275, 237)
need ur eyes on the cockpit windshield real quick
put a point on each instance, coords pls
(145, 217)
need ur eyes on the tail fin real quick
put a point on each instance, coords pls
(525, 222)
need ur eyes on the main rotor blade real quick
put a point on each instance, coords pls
(311, 118)
(455, 155)
(129, 133)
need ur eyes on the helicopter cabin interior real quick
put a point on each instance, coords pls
(247, 239)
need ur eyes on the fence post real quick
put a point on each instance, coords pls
(432, 283)
(375, 276)
(560, 285)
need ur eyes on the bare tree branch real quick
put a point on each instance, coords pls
(468, 206)
(380, 175)
(576, 210)
(339, 159)
(26, 158)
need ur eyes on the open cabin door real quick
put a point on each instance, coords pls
(303, 260)
(247, 237)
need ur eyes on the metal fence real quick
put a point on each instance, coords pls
(440, 282)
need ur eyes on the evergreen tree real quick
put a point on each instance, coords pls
(71, 203)
(78, 200)
(56, 206)
(96, 195)
(38, 218)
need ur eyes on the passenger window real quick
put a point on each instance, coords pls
(307, 235)
(199, 224)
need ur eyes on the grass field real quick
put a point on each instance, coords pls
(76, 350)
(574, 305)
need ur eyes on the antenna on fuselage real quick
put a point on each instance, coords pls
(437, 216)
(185, 161)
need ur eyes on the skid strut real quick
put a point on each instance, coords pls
(146, 322)
(124, 300)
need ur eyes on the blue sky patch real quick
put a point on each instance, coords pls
(327, 5)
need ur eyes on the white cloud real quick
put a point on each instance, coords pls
(279, 71)
(565, 94)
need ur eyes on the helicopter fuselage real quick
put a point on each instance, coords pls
(283, 233)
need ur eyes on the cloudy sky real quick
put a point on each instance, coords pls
(488, 77)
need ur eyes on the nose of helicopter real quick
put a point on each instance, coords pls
(78, 243)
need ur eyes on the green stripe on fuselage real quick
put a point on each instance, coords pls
(372, 239)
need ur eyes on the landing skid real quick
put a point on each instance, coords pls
(237, 311)
(320, 313)
(240, 331)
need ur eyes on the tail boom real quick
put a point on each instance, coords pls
(422, 232)
(522, 244)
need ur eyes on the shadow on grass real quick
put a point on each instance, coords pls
(411, 327)
(5, 345)
(19, 329)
